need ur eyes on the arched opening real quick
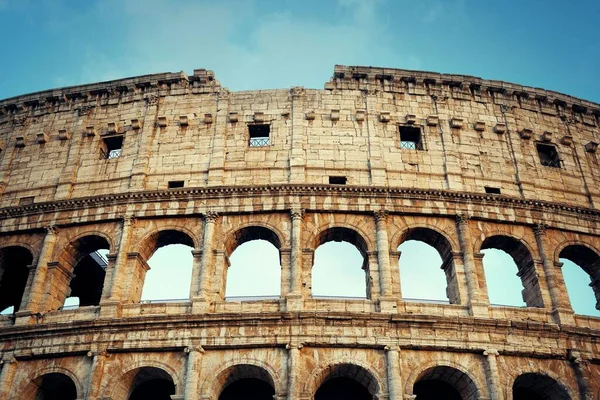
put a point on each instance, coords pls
(86, 258)
(169, 255)
(515, 249)
(500, 268)
(581, 268)
(142, 383)
(255, 264)
(14, 271)
(443, 382)
(533, 386)
(246, 382)
(340, 267)
(423, 252)
(348, 382)
(52, 386)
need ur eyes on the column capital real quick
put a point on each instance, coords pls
(462, 219)
(191, 349)
(392, 347)
(539, 229)
(296, 214)
(380, 215)
(128, 219)
(211, 216)
(51, 229)
(491, 352)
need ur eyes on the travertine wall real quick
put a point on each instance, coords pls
(61, 198)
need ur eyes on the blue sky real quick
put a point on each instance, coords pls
(260, 44)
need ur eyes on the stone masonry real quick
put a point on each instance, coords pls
(376, 158)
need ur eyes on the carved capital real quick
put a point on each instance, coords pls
(151, 100)
(462, 219)
(128, 219)
(391, 348)
(296, 214)
(191, 349)
(211, 216)
(297, 91)
(381, 215)
(540, 229)
(51, 230)
(491, 352)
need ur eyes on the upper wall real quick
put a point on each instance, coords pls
(475, 135)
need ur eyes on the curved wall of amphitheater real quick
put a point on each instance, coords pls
(378, 157)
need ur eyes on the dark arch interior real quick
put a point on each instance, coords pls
(55, 386)
(152, 383)
(445, 383)
(251, 233)
(538, 387)
(89, 271)
(342, 388)
(14, 261)
(532, 294)
(248, 388)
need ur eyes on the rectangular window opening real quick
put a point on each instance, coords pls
(24, 201)
(410, 138)
(112, 147)
(548, 155)
(492, 190)
(259, 135)
(337, 180)
(175, 184)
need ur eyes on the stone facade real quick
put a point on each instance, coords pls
(378, 157)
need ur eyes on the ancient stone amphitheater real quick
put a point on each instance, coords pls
(376, 158)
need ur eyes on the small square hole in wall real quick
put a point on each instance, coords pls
(111, 147)
(175, 184)
(23, 201)
(259, 135)
(548, 155)
(337, 180)
(410, 138)
(492, 190)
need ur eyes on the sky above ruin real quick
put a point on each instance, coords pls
(259, 44)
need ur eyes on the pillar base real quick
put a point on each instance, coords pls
(481, 310)
(110, 309)
(200, 305)
(388, 305)
(563, 316)
(26, 318)
(294, 302)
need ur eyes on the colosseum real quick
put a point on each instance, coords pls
(376, 158)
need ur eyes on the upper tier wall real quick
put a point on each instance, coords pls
(187, 128)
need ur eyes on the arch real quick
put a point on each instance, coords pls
(29, 389)
(538, 386)
(344, 368)
(338, 270)
(451, 371)
(14, 272)
(235, 370)
(521, 253)
(444, 247)
(121, 387)
(588, 259)
(163, 237)
(253, 231)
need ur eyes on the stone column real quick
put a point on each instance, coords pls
(36, 293)
(393, 372)
(561, 307)
(580, 366)
(57, 286)
(117, 283)
(386, 302)
(492, 375)
(285, 255)
(477, 306)
(456, 291)
(308, 258)
(297, 132)
(30, 275)
(9, 367)
(294, 297)
(192, 373)
(96, 373)
(196, 268)
(201, 301)
(293, 390)
(372, 276)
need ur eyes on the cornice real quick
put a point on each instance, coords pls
(374, 192)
